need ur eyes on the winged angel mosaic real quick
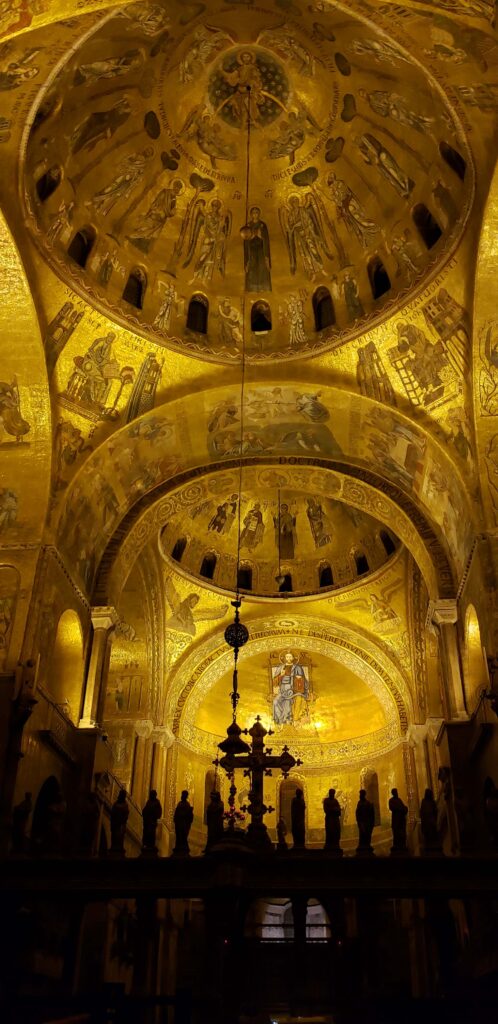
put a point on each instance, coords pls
(185, 615)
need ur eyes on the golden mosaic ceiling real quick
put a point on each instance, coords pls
(315, 542)
(135, 175)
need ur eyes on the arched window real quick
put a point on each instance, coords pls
(245, 577)
(65, 674)
(211, 785)
(323, 309)
(260, 318)
(81, 246)
(48, 183)
(179, 549)
(208, 565)
(426, 225)
(361, 563)
(134, 289)
(454, 159)
(389, 545)
(325, 575)
(380, 281)
(197, 314)
(286, 585)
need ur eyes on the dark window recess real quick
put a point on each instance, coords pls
(179, 549)
(81, 246)
(325, 576)
(208, 566)
(197, 314)
(426, 225)
(361, 564)
(48, 183)
(380, 282)
(454, 159)
(245, 577)
(389, 545)
(260, 318)
(323, 309)
(286, 584)
(134, 289)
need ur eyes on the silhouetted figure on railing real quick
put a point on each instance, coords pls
(332, 811)
(183, 818)
(428, 823)
(298, 817)
(20, 817)
(214, 819)
(365, 819)
(150, 817)
(89, 824)
(119, 817)
(281, 834)
(399, 812)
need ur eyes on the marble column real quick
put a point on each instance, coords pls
(104, 622)
(444, 616)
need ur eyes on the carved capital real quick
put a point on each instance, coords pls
(144, 728)
(162, 734)
(445, 612)
(105, 618)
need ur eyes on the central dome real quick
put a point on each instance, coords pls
(209, 174)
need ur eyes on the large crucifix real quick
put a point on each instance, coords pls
(257, 762)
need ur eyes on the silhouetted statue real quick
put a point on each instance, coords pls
(20, 816)
(298, 813)
(214, 818)
(490, 793)
(365, 819)
(48, 819)
(281, 834)
(465, 819)
(89, 823)
(332, 811)
(119, 817)
(428, 822)
(399, 812)
(183, 818)
(150, 817)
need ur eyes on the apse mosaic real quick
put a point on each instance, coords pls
(356, 193)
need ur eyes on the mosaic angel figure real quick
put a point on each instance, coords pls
(184, 619)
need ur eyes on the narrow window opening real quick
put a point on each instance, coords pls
(454, 159)
(208, 565)
(326, 578)
(245, 577)
(323, 309)
(389, 545)
(380, 282)
(426, 225)
(261, 318)
(197, 314)
(361, 564)
(81, 246)
(179, 549)
(48, 183)
(134, 289)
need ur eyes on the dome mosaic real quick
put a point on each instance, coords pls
(292, 541)
(135, 176)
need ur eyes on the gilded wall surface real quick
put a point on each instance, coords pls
(248, 319)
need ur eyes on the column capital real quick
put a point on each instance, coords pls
(144, 728)
(104, 617)
(444, 612)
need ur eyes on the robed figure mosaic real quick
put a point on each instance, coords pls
(291, 689)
